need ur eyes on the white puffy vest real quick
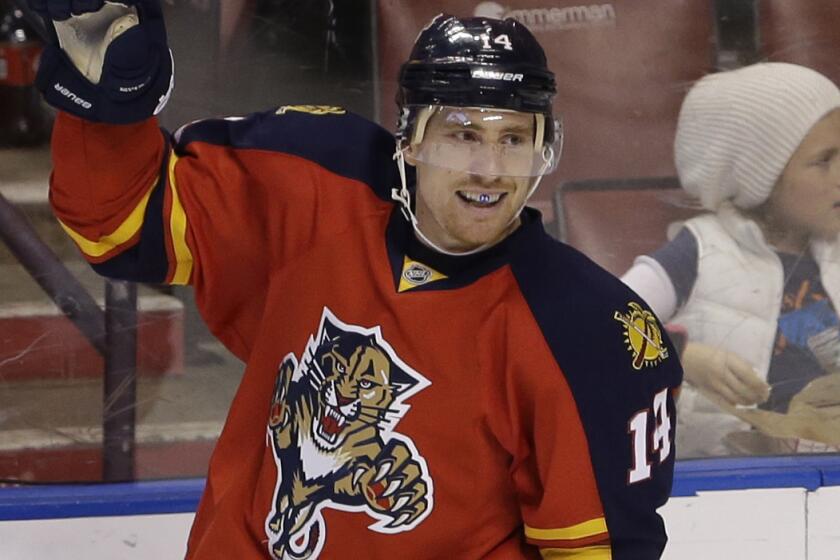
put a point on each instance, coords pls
(735, 305)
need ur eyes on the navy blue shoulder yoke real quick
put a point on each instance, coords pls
(590, 321)
(337, 140)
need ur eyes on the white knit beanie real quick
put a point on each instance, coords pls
(738, 129)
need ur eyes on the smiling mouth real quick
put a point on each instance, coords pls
(481, 199)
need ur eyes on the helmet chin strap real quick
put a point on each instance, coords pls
(403, 196)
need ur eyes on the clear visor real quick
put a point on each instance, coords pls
(489, 142)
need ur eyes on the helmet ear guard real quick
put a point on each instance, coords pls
(418, 130)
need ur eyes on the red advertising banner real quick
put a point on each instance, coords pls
(622, 69)
(803, 32)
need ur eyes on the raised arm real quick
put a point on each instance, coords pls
(108, 71)
(115, 186)
(223, 203)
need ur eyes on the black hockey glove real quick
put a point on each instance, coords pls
(109, 62)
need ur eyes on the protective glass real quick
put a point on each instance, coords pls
(490, 142)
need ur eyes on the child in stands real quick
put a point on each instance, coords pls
(755, 282)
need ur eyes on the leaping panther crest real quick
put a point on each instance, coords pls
(332, 430)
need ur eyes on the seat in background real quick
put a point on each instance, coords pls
(614, 221)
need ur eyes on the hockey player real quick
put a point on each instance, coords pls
(429, 375)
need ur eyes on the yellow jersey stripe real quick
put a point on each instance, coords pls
(601, 552)
(581, 530)
(125, 231)
(178, 229)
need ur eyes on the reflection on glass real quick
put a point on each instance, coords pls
(55, 406)
(751, 282)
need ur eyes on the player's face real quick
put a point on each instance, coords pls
(806, 200)
(465, 200)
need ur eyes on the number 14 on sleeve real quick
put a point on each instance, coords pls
(660, 438)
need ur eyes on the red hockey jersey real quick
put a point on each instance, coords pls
(397, 403)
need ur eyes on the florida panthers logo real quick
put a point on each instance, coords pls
(331, 428)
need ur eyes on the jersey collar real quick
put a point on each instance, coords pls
(416, 267)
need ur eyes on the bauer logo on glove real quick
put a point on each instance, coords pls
(72, 96)
(109, 62)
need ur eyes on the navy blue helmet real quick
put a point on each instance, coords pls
(476, 62)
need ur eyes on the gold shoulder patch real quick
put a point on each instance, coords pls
(642, 335)
(312, 109)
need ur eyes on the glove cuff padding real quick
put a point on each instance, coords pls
(135, 82)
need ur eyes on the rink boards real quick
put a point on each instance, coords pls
(782, 508)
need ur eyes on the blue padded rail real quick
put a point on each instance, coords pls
(96, 500)
(741, 473)
(182, 496)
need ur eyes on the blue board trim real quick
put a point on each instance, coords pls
(741, 473)
(689, 483)
(817, 461)
(182, 496)
(97, 500)
(831, 475)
